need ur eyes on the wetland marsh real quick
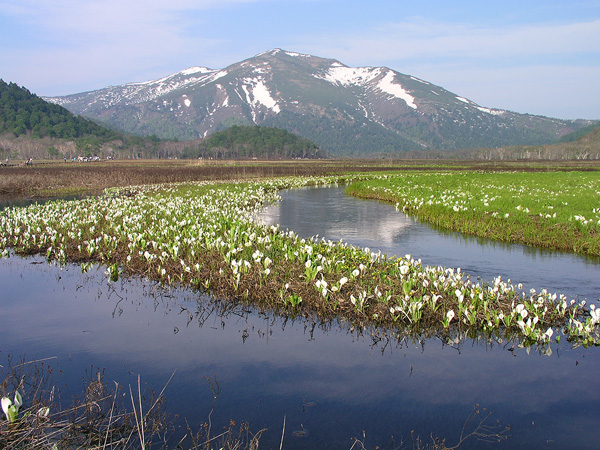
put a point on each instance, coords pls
(330, 334)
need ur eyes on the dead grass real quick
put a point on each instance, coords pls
(47, 179)
(105, 417)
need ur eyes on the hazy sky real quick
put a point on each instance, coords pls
(529, 56)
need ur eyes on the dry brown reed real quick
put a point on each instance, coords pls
(51, 179)
(102, 419)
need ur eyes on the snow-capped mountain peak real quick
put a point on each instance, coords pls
(346, 110)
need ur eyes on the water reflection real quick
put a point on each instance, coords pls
(269, 367)
(21, 201)
(328, 212)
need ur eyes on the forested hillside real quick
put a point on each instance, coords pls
(253, 142)
(22, 112)
(33, 127)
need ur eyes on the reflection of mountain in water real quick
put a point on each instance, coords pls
(338, 218)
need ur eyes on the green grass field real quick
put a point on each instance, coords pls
(557, 210)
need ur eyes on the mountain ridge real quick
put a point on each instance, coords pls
(346, 111)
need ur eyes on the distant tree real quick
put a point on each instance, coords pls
(254, 142)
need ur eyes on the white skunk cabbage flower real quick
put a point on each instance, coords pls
(450, 316)
(6, 404)
(11, 408)
(43, 412)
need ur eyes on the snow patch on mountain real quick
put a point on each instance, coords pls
(268, 52)
(257, 94)
(216, 76)
(225, 101)
(275, 51)
(197, 69)
(347, 76)
(389, 86)
(248, 93)
(365, 110)
(297, 55)
(262, 95)
(175, 78)
(366, 76)
(419, 80)
(262, 70)
(495, 112)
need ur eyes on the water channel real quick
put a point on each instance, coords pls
(328, 212)
(328, 382)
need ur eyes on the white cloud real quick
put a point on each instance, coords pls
(423, 39)
(89, 44)
(110, 19)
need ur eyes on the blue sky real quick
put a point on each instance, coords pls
(538, 57)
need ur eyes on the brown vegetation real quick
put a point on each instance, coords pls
(46, 179)
(108, 416)
(42, 180)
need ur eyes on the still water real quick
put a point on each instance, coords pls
(21, 201)
(329, 213)
(327, 381)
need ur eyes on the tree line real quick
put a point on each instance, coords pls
(253, 142)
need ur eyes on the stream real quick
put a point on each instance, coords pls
(330, 383)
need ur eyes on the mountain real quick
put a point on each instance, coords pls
(344, 110)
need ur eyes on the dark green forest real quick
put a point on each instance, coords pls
(22, 112)
(253, 142)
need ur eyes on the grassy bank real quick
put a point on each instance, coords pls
(557, 210)
(203, 235)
